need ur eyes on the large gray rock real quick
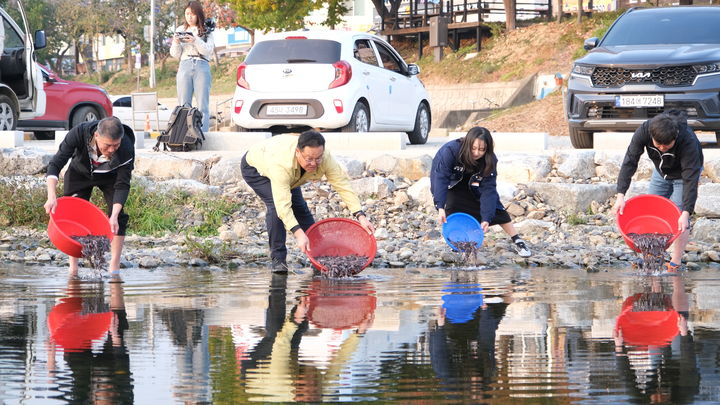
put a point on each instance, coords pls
(576, 165)
(23, 161)
(534, 226)
(188, 185)
(608, 166)
(161, 166)
(412, 168)
(375, 187)
(519, 168)
(226, 171)
(353, 167)
(420, 192)
(712, 169)
(573, 198)
(708, 201)
(706, 230)
(506, 191)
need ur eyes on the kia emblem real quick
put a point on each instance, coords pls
(287, 71)
(640, 75)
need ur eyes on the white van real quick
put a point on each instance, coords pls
(21, 86)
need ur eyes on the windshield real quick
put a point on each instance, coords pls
(294, 51)
(666, 26)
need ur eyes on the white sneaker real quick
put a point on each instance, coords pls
(522, 249)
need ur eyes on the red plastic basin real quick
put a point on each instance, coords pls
(648, 213)
(647, 328)
(340, 237)
(340, 305)
(73, 330)
(76, 217)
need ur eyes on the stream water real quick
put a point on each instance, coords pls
(185, 335)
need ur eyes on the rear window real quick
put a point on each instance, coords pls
(671, 26)
(294, 51)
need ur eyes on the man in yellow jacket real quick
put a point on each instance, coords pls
(275, 169)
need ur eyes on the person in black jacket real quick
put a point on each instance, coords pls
(463, 178)
(677, 156)
(103, 156)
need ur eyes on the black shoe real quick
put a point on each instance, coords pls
(279, 267)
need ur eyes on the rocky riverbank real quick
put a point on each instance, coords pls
(560, 202)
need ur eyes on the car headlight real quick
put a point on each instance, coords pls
(583, 70)
(708, 68)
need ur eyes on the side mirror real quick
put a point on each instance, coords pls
(40, 40)
(590, 43)
(413, 69)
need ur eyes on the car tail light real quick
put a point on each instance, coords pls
(338, 106)
(238, 106)
(241, 76)
(343, 73)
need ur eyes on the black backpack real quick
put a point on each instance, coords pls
(184, 131)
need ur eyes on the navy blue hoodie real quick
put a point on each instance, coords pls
(447, 171)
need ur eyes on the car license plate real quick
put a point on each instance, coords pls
(644, 100)
(282, 109)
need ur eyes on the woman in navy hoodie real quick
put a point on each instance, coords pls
(463, 178)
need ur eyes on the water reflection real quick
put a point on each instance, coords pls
(89, 332)
(403, 335)
(304, 352)
(462, 337)
(654, 347)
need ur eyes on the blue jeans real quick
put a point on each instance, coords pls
(672, 189)
(194, 76)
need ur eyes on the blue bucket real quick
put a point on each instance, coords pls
(461, 227)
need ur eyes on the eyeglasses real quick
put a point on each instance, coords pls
(316, 161)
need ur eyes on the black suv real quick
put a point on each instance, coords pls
(649, 61)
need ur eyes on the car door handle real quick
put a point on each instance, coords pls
(365, 72)
(392, 79)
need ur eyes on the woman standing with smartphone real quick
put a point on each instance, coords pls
(193, 44)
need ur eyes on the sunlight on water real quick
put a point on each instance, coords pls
(501, 336)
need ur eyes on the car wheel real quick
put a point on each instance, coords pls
(84, 114)
(419, 134)
(581, 139)
(8, 115)
(360, 120)
(44, 135)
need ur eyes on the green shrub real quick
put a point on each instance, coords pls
(151, 212)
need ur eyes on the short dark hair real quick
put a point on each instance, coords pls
(310, 138)
(111, 127)
(663, 129)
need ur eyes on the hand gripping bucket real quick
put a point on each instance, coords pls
(76, 217)
(461, 227)
(648, 213)
(340, 237)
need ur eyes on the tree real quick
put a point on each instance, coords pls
(130, 16)
(284, 15)
(383, 11)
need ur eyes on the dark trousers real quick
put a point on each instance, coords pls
(79, 185)
(275, 227)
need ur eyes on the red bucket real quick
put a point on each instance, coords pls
(649, 213)
(340, 237)
(76, 217)
(337, 305)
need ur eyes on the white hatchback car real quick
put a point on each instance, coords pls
(338, 80)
